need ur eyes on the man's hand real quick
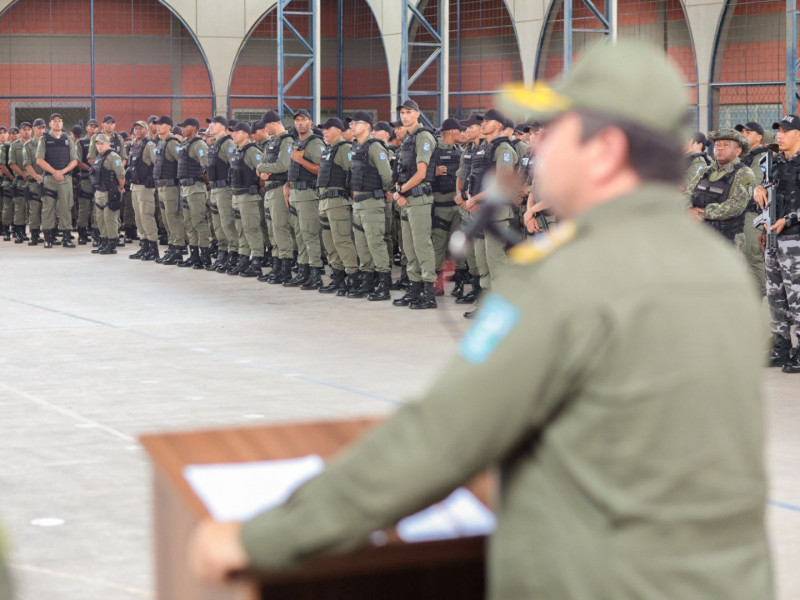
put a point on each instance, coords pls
(38, 178)
(519, 200)
(459, 201)
(265, 176)
(59, 176)
(778, 226)
(471, 204)
(297, 155)
(762, 241)
(696, 214)
(389, 196)
(216, 552)
(760, 196)
(531, 224)
(441, 170)
(401, 201)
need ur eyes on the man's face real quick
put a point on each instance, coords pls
(14, 136)
(189, 131)
(399, 133)
(359, 128)
(38, 131)
(26, 133)
(381, 135)
(331, 134)
(302, 124)
(409, 117)
(139, 132)
(109, 127)
(153, 129)
(534, 137)
(260, 135)
(473, 132)
(217, 130)
(56, 124)
(240, 137)
(752, 136)
(490, 127)
(102, 147)
(91, 130)
(163, 129)
(347, 134)
(451, 136)
(726, 151)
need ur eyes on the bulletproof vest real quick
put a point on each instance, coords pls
(691, 158)
(56, 150)
(141, 172)
(752, 156)
(273, 149)
(189, 168)
(298, 172)
(714, 192)
(450, 158)
(330, 174)
(482, 163)
(103, 179)
(114, 140)
(364, 177)
(407, 158)
(165, 168)
(217, 168)
(787, 175)
(469, 156)
(242, 175)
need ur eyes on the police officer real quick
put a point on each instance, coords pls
(165, 176)
(34, 172)
(260, 137)
(192, 161)
(719, 194)
(783, 263)
(335, 206)
(599, 497)
(695, 156)
(244, 189)
(57, 156)
(414, 196)
(468, 274)
(142, 158)
(383, 132)
(83, 189)
(220, 154)
(446, 218)
(108, 179)
(274, 171)
(6, 185)
(370, 183)
(16, 162)
(117, 145)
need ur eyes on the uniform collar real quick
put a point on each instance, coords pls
(727, 168)
(648, 199)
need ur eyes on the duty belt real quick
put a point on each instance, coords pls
(302, 185)
(188, 182)
(253, 189)
(222, 183)
(423, 189)
(273, 185)
(166, 182)
(444, 204)
(334, 193)
(376, 194)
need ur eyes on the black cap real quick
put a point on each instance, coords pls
(177, 130)
(14, 128)
(450, 124)
(509, 124)
(92, 122)
(700, 138)
(256, 125)
(383, 126)
(410, 104)
(39, 123)
(532, 126)
(752, 126)
(232, 123)
(271, 116)
(24, 124)
(788, 122)
(362, 116)
(109, 119)
(332, 122)
(396, 124)
(77, 130)
(218, 119)
(152, 119)
(3, 128)
(494, 115)
(519, 127)
(164, 120)
(302, 113)
(474, 119)
(241, 127)
(190, 121)
(124, 135)
(54, 115)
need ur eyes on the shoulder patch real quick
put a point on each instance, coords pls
(288, 149)
(426, 147)
(258, 157)
(506, 157)
(201, 152)
(118, 162)
(382, 155)
(230, 150)
(535, 250)
(496, 318)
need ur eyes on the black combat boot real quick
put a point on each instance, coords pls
(284, 275)
(222, 258)
(109, 248)
(120, 241)
(19, 234)
(402, 283)
(34, 237)
(67, 240)
(460, 277)
(793, 364)
(126, 233)
(151, 251)
(426, 299)
(276, 269)
(382, 291)
(23, 231)
(96, 239)
(194, 257)
(365, 287)
(214, 248)
(167, 253)
(101, 243)
(205, 260)
(139, 253)
(303, 273)
(172, 257)
(162, 237)
(350, 284)
(781, 349)
(253, 269)
(230, 262)
(6, 233)
(411, 295)
(472, 296)
(241, 265)
(337, 280)
(314, 281)
(49, 236)
(83, 237)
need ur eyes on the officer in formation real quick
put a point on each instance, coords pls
(192, 163)
(220, 154)
(16, 164)
(6, 185)
(247, 202)
(35, 179)
(623, 373)
(57, 155)
(108, 180)
(141, 160)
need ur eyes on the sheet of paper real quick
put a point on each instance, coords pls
(239, 491)
(461, 514)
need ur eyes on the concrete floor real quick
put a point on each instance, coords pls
(97, 350)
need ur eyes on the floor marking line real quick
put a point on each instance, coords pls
(82, 578)
(784, 505)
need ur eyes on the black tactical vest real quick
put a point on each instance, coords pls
(242, 175)
(217, 168)
(189, 168)
(691, 157)
(165, 168)
(116, 144)
(407, 158)
(363, 176)
(714, 192)
(103, 179)
(752, 156)
(56, 150)
(141, 172)
(787, 175)
(298, 172)
(469, 156)
(483, 162)
(450, 158)
(273, 149)
(331, 175)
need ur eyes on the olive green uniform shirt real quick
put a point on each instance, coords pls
(697, 164)
(342, 159)
(629, 448)
(740, 194)
(312, 153)
(113, 162)
(30, 155)
(123, 153)
(17, 155)
(379, 158)
(281, 165)
(199, 152)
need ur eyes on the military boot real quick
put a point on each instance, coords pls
(337, 280)
(472, 296)
(205, 260)
(781, 349)
(49, 237)
(83, 237)
(303, 273)
(214, 248)
(230, 262)
(109, 248)
(67, 240)
(411, 295)
(314, 281)
(793, 364)
(172, 257)
(222, 257)
(350, 284)
(19, 235)
(120, 241)
(162, 237)
(276, 268)
(426, 298)
(96, 239)
(101, 243)
(194, 257)
(253, 268)
(382, 291)
(34, 237)
(460, 277)
(365, 287)
(151, 251)
(167, 253)
(402, 282)
(6, 233)
(240, 265)
(139, 253)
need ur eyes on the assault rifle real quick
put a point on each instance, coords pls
(770, 213)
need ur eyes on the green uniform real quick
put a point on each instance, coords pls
(109, 223)
(753, 253)
(221, 202)
(193, 198)
(16, 156)
(274, 202)
(630, 448)
(306, 205)
(6, 189)
(335, 208)
(57, 199)
(84, 190)
(117, 144)
(247, 207)
(697, 162)
(34, 189)
(464, 214)
(446, 217)
(369, 217)
(144, 200)
(169, 202)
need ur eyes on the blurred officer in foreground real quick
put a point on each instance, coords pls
(627, 367)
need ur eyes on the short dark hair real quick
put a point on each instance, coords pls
(654, 156)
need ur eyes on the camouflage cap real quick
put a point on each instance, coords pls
(733, 135)
(632, 81)
(102, 138)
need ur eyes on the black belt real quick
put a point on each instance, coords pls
(188, 182)
(166, 182)
(423, 189)
(302, 185)
(335, 193)
(450, 204)
(374, 195)
(253, 189)
(273, 185)
(222, 183)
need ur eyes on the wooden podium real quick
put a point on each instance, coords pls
(396, 570)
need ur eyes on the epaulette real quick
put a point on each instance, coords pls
(537, 249)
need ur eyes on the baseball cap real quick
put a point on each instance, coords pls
(218, 119)
(271, 116)
(177, 130)
(3, 128)
(164, 120)
(494, 115)
(232, 123)
(39, 123)
(630, 80)
(450, 124)
(473, 119)
(77, 130)
(730, 134)
(257, 125)
(788, 122)
(14, 128)
(302, 113)
(396, 124)
(191, 121)
(362, 116)
(751, 126)
(152, 119)
(202, 132)
(109, 119)
(241, 127)
(332, 122)
(410, 104)
(140, 124)
(102, 137)
(92, 122)
(532, 126)
(24, 124)
(124, 135)
(383, 126)
(54, 115)
(700, 138)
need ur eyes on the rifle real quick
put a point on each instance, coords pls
(770, 213)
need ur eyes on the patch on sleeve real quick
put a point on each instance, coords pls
(258, 157)
(506, 157)
(230, 150)
(201, 152)
(288, 150)
(382, 155)
(494, 321)
(426, 147)
(540, 247)
(118, 162)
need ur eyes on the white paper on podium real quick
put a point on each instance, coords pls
(461, 514)
(240, 491)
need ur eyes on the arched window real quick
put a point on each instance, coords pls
(126, 58)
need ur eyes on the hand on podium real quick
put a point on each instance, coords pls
(216, 552)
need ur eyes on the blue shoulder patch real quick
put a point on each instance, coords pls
(230, 150)
(494, 321)
(118, 162)
(288, 150)
(426, 147)
(506, 157)
(201, 152)
(258, 157)
(382, 155)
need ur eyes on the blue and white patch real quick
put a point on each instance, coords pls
(382, 155)
(506, 157)
(494, 321)
(426, 147)
(289, 150)
(230, 150)
(201, 152)
(350, 156)
(118, 163)
(258, 157)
